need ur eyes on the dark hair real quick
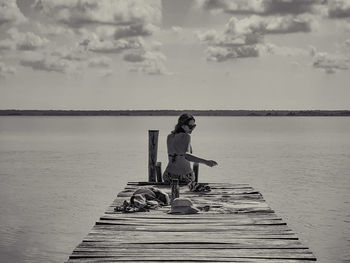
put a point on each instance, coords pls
(183, 120)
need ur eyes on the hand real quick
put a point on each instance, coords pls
(211, 163)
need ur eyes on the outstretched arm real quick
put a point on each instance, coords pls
(195, 159)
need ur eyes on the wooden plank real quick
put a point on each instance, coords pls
(223, 209)
(185, 254)
(203, 221)
(239, 227)
(240, 243)
(141, 231)
(195, 237)
(200, 216)
(185, 191)
(232, 260)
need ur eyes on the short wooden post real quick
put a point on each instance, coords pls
(196, 171)
(175, 189)
(159, 172)
(152, 154)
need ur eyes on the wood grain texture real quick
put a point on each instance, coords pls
(239, 227)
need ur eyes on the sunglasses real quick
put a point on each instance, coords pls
(191, 126)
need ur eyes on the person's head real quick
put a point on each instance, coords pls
(185, 123)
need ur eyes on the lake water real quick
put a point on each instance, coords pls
(58, 175)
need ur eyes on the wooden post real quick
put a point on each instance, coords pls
(159, 172)
(152, 154)
(196, 171)
(175, 189)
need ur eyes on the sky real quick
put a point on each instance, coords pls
(183, 54)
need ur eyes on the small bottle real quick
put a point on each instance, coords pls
(175, 189)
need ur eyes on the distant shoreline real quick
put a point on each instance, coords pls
(174, 112)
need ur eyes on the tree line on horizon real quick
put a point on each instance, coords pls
(13, 112)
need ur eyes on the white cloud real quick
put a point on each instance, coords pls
(52, 30)
(106, 73)
(241, 37)
(10, 13)
(105, 31)
(330, 63)
(269, 25)
(219, 54)
(149, 62)
(112, 46)
(6, 70)
(6, 44)
(269, 48)
(134, 30)
(338, 8)
(26, 41)
(100, 62)
(70, 53)
(262, 7)
(177, 29)
(50, 64)
(79, 13)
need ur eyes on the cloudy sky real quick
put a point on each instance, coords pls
(183, 54)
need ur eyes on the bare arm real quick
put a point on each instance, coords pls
(192, 158)
(195, 159)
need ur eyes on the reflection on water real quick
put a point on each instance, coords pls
(58, 174)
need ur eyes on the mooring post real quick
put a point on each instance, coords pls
(196, 171)
(159, 172)
(175, 189)
(152, 154)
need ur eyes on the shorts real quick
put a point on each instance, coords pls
(183, 178)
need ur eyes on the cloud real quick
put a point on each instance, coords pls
(26, 41)
(76, 53)
(329, 63)
(50, 64)
(6, 44)
(106, 73)
(219, 54)
(100, 62)
(269, 25)
(135, 57)
(52, 29)
(149, 62)
(177, 29)
(272, 49)
(6, 70)
(10, 13)
(79, 13)
(262, 7)
(111, 46)
(338, 8)
(241, 37)
(134, 30)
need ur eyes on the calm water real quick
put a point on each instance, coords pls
(58, 174)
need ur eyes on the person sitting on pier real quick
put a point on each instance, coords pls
(180, 152)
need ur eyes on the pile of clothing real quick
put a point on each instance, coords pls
(199, 187)
(144, 199)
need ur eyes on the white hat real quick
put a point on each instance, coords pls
(183, 206)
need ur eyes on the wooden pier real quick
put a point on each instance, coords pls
(239, 227)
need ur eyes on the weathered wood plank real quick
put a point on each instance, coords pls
(232, 260)
(184, 254)
(204, 221)
(239, 243)
(116, 226)
(195, 237)
(155, 214)
(239, 227)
